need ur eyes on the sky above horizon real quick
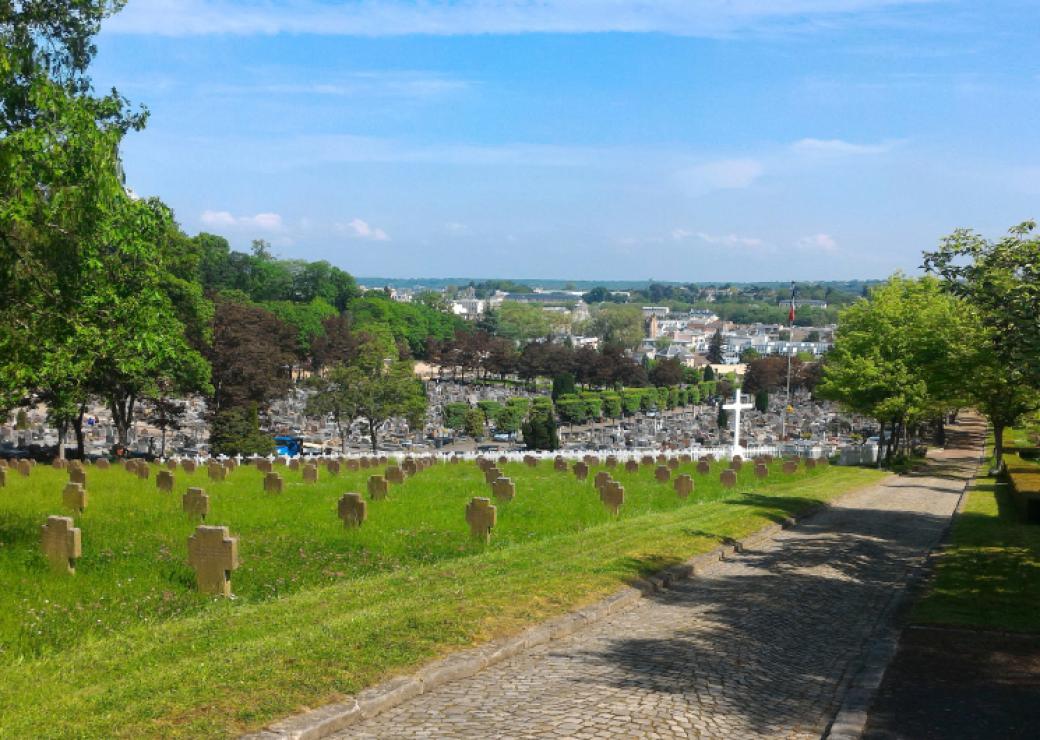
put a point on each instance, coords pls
(687, 140)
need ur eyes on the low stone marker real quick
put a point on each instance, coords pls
(761, 470)
(332, 467)
(480, 515)
(3, 476)
(61, 543)
(294, 464)
(273, 483)
(581, 470)
(24, 468)
(310, 473)
(736, 464)
(673, 463)
(709, 457)
(662, 473)
(377, 487)
(102, 463)
(810, 464)
(601, 477)
(143, 470)
(76, 475)
(591, 460)
(613, 496)
(728, 478)
(188, 466)
(164, 481)
(409, 467)
(217, 472)
(57, 463)
(661, 459)
(737, 458)
(74, 496)
(213, 553)
(559, 464)
(646, 460)
(503, 489)
(195, 503)
(264, 466)
(611, 461)
(352, 509)
(683, 486)
(823, 462)
(632, 466)
(686, 458)
(530, 461)
(790, 467)
(491, 474)
(171, 464)
(703, 467)
(502, 459)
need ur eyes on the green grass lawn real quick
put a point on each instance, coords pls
(990, 575)
(126, 647)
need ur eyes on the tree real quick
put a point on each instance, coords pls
(236, 431)
(336, 343)
(166, 414)
(709, 374)
(715, 348)
(667, 373)
(522, 322)
(508, 418)
(455, 415)
(562, 385)
(748, 354)
(540, 431)
(762, 401)
(618, 324)
(473, 422)
(722, 420)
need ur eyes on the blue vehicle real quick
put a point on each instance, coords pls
(287, 444)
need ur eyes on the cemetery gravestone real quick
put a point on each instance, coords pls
(101, 463)
(581, 470)
(377, 487)
(353, 465)
(76, 475)
(188, 466)
(823, 462)
(217, 472)
(273, 483)
(332, 466)
(74, 496)
(491, 474)
(213, 553)
(790, 467)
(502, 460)
(3, 476)
(171, 464)
(736, 464)
(310, 473)
(143, 470)
(601, 478)
(480, 515)
(673, 464)
(503, 489)
(530, 461)
(662, 474)
(409, 467)
(24, 468)
(810, 464)
(294, 464)
(559, 464)
(195, 503)
(683, 486)
(352, 509)
(612, 461)
(264, 466)
(61, 543)
(703, 467)
(728, 478)
(632, 466)
(394, 474)
(687, 458)
(661, 459)
(646, 460)
(761, 470)
(454, 459)
(164, 481)
(57, 463)
(613, 496)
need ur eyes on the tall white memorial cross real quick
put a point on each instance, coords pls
(736, 407)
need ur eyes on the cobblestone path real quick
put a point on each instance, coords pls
(759, 646)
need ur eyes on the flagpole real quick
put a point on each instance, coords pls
(790, 338)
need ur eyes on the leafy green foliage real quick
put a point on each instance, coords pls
(236, 431)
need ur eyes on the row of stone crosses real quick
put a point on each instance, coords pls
(213, 552)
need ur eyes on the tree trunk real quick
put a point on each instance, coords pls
(372, 433)
(998, 448)
(77, 427)
(122, 416)
(162, 443)
(940, 432)
(63, 427)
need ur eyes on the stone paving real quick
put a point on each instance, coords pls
(762, 645)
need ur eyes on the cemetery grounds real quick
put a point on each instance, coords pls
(126, 646)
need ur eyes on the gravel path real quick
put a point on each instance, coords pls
(761, 645)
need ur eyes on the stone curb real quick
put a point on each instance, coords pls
(331, 718)
(850, 722)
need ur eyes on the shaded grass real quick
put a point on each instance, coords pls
(126, 648)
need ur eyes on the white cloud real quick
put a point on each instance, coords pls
(456, 228)
(227, 220)
(839, 147)
(708, 18)
(380, 84)
(359, 229)
(726, 174)
(720, 240)
(818, 243)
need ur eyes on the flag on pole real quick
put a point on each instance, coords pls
(790, 314)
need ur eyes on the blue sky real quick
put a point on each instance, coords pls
(689, 140)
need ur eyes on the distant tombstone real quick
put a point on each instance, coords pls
(559, 464)
(310, 473)
(164, 481)
(709, 457)
(601, 478)
(823, 462)
(613, 496)
(217, 472)
(673, 463)
(24, 468)
(581, 470)
(230, 464)
(646, 460)
(761, 470)
(686, 458)
(662, 473)
(454, 460)
(491, 474)
(394, 474)
(683, 486)
(101, 463)
(57, 463)
(410, 467)
(353, 465)
(61, 543)
(480, 515)
(264, 466)
(611, 461)
(273, 483)
(171, 464)
(592, 460)
(3, 476)
(195, 503)
(213, 553)
(294, 464)
(810, 464)
(332, 467)
(703, 467)
(661, 459)
(502, 459)
(188, 466)
(503, 489)
(144, 470)
(790, 467)
(76, 475)
(737, 458)
(377, 487)
(74, 496)
(632, 466)
(736, 463)
(382, 460)
(728, 478)
(531, 461)
(352, 509)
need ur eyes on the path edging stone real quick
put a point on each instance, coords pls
(331, 718)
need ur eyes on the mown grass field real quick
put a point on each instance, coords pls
(126, 647)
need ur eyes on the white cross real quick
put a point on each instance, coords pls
(737, 407)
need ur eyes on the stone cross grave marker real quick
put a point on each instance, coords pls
(673, 463)
(164, 481)
(601, 478)
(74, 496)
(171, 464)
(310, 473)
(454, 460)
(790, 467)
(728, 478)
(661, 459)
(377, 487)
(559, 464)
(188, 466)
(613, 496)
(409, 467)
(264, 466)
(686, 458)
(502, 459)
(480, 515)
(76, 475)
(611, 461)
(61, 543)
(213, 553)
(195, 503)
(24, 468)
(530, 461)
(662, 473)
(581, 470)
(394, 474)
(352, 509)
(503, 489)
(761, 470)
(273, 483)
(491, 474)
(3, 476)
(294, 464)
(683, 486)
(736, 407)
(646, 460)
(217, 472)
(632, 466)
(143, 470)
(57, 463)
(353, 465)
(736, 464)
(101, 463)
(703, 467)
(810, 464)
